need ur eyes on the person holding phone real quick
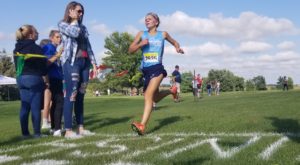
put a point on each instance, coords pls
(76, 59)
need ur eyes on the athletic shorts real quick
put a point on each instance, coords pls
(151, 72)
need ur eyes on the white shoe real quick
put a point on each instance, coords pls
(73, 135)
(46, 126)
(57, 133)
(86, 133)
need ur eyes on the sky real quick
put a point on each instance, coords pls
(247, 37)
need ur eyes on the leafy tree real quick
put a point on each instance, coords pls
(290, 83)
(117, 56)
(260, 83)
(228, 81)
(279, 84)
(186, 82)
(250, 85)
(7, 67)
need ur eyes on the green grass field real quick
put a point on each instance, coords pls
(233, 128)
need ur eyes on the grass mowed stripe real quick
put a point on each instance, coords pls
(233, 128)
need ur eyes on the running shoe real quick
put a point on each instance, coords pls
(73, 135)
(57, 133)
(138, 127)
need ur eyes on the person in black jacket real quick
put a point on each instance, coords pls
(31, 68)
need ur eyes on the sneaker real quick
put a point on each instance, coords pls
(173, 90)
(72, 135)
(46, 126)
(138, 127)
(57, 133)
(86, 132)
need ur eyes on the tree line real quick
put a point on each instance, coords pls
(118, 58)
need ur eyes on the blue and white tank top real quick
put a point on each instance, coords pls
(153, 52)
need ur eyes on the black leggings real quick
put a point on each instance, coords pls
(56, 88)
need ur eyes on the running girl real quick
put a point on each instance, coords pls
(151, 42)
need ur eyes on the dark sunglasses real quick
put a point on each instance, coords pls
(79, 11)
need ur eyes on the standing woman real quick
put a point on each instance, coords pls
(31, 66)
(152, 44)
(76, 59)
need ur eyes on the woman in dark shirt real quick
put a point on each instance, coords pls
(31, 67)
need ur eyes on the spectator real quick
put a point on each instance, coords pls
(76, 59)
(31, 69)
(208, 87)
(177, 81)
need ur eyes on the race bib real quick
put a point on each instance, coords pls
(151, 57)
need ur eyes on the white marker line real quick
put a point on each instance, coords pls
(117, 149)
(47, 161)
(22, 147)
(188, 147)
(266, 154)
(102, 144)
(136, 153)
(125, 163)
(234, 150)
(48, 152)
(5, 158)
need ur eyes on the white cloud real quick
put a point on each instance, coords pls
(7, 36)
(248, 26)
(242, 44)
(131, 30)
(253, 47)
(204, 57)
(101, 29)
(206, 49)
(286, 45)
(99, 55)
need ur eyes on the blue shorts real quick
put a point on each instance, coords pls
(151, 72)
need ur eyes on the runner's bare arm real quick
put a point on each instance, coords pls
(173, 42)
(137, 43)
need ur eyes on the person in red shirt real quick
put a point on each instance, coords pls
(199, 80)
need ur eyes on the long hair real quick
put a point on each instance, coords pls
(71, 6)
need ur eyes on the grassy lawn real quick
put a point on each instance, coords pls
(233, 128)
